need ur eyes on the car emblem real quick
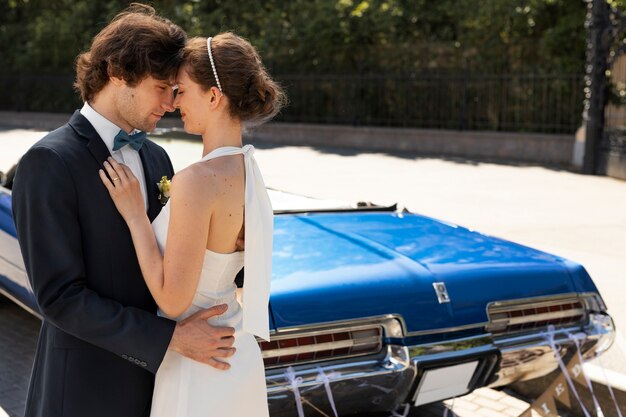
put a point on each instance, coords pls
(442, 292)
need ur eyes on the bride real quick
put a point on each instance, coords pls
(188, 255)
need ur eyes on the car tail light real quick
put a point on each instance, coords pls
(283, 350)
(507, 317)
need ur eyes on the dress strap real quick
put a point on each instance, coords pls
(228, 150)
(259, 233)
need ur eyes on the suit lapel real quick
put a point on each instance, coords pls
(96, 146)
(100, 152)
(148, 161)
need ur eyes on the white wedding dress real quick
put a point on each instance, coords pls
(186, 388)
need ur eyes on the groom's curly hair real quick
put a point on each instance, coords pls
(137, 43)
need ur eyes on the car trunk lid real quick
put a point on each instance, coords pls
(330, 267)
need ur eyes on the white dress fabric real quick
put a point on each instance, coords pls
(186, 388)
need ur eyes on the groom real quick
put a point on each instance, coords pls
(101, 341)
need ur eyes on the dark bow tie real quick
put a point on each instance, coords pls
(135, 140)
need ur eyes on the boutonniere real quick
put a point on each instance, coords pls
(164, 189)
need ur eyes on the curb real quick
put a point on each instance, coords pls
(601, 375)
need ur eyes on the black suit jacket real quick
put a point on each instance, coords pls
(100, 342)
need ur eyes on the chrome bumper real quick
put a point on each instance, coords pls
(383, 382)
(365, 384)
(528, 357)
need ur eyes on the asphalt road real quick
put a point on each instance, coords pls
(18, 340)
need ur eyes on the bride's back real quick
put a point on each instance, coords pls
(227, 177)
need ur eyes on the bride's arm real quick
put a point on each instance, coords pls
(172, 280)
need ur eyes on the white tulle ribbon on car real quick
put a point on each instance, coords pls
(610, 387)
(549, 336)
(323, 378)
(259, 233)
(295, 383)
(326, 378)
(596, 403)
(599, 330)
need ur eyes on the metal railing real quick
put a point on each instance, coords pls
(505, 102)
(38, 92)
(462, 101)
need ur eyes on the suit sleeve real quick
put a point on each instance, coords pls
(46, 216)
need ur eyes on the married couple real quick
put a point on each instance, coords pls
(103, 248)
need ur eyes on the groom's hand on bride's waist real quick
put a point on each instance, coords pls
(196, 339)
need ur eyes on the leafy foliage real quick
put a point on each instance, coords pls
(395, 62)
(325, 36)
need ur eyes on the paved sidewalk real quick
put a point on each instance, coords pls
(486, 402)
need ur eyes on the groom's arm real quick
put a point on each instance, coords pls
(46, 216)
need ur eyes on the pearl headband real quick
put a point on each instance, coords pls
(208, 46)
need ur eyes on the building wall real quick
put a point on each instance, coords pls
(544, 149)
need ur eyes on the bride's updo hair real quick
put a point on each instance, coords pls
(254, 97)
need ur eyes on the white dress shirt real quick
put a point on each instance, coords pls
(126, 155)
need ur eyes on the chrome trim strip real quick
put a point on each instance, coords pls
(466, 344)
(394, 326)
(318, 347)
(504, 340)
(319, 330)
(396, 361)
(591, 299)
(347, 358)
(498, 306)
(447, 329)
(539, 317)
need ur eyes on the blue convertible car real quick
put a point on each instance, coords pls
(377, 306)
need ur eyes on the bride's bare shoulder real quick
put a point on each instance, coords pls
(207, 179)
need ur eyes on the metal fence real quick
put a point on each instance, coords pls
(38, 92)
(505, 102)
